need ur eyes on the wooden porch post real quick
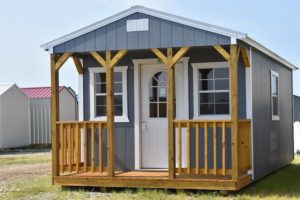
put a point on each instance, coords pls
(233, 61)
(110, 115)
(54, 116)
(171, 112)
(170, 61)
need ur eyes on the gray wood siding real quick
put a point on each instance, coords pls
(162, 33)
(296, 108)
(272, 140)
(125, 131)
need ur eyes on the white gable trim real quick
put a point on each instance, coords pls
(147, 11)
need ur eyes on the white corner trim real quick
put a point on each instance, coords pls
(137, 111)
(251, 125)
(92, 71)
(80, 105)
(205, 65)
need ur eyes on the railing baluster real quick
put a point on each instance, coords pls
(100, 147)
(85, 147)
(205, 149)
(77, 147)
(65, 135)
(197, 148)
(69, 148)
(62, 147)
(223, 149)
(215, 148)
(179, 148)
(93, 147)
(188, 148)
(72, 145)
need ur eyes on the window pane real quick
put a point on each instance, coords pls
(153, 94)
(222, 97)
(205, 73)
(118, 87)
(118, 110)
(222, 108)
(118, 76)
(100, 78)
(100, 111)
(222, 84)
(101, 100)
(100, 88)
(162, 110)
(118, 100)
(274, 85)
(206, 98)
(206, 85)
(162, 83)
(275, 105)
(162, 93)
(206, 109)
(222, 73)
(153, 110)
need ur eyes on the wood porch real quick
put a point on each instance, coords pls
(71, 165)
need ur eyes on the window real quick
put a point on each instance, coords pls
(274, 95)
(158, 95)
(98, 93)
(211, 90)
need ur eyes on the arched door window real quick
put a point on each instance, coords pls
(158, 95)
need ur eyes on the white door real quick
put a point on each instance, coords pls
(154, 122)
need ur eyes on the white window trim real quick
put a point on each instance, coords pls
(207, 65)
(92, 71)
(274, 117)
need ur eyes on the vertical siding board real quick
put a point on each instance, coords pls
(165, 33)
(121, 34)
(101, 39)
(200, 37)
(177, 35)
(80, 44)
(59, 48)
(69, 46)
(90, 41)
(212, 38)
(143, 42)
(133, 37)
(223, 40)
(111, 36)
(188, 36)
(154, 32)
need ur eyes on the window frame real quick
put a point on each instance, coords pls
(92, 72)
(208, 65)
(275, 74)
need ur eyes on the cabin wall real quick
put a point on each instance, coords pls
(162, 33)
(124, 132)
(272, 140)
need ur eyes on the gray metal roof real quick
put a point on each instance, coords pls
(167, 16)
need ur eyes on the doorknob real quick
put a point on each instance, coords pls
(143, 121)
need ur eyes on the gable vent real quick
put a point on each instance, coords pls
(137, 25)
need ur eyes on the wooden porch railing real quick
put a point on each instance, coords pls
(71, 135)
(213, 127)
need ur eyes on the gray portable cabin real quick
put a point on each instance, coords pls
(296, 108)
(257, 95)
(40, 107)
(14, 117)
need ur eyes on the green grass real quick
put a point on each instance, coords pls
(283, 184)
(24, 159)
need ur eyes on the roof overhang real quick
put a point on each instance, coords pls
(234, 35)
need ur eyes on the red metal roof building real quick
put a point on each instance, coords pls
(39, 92)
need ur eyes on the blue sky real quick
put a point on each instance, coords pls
(27, 24)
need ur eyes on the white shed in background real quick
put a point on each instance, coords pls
(40, 110)
(14, 117)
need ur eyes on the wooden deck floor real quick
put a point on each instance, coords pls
(152, 179)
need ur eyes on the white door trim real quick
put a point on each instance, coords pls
(137, 111)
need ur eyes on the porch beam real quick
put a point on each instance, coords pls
(160, 55)
(54, 116)
(245, 56)
(117, 57)
(99, 58)
(78, 65)
(62, 60)
(233, 63)
(179, 54)
(222, 51)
